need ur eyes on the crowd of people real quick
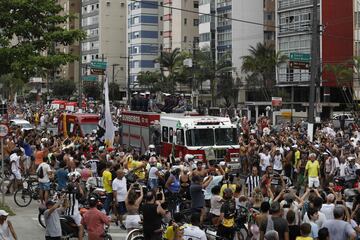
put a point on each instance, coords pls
(286, 188)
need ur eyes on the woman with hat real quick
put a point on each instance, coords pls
(7, 231)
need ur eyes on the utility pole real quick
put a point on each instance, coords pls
(80, 61)
(314, 67)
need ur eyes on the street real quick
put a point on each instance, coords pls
(27, 227)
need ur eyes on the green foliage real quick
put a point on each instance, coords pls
(29, 31)
(93, 90)
(260, 65)
(63, 88)
(114, 91)
(10, 84)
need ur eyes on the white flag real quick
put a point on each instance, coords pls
(109, 125)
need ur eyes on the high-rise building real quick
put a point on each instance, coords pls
(70, 71)
(144, 27)
(269, 22)
(105, 25)
(180, 24)
(207, 24)
(293, 35)
(357, 48)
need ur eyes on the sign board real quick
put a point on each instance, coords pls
(286, 114)
(300, 57)
(4, 130)
(276, 101)
(299, 65)
(97, 68)
(89, 78)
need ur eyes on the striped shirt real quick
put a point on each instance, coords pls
(252, 182)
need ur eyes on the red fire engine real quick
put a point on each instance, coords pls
(181, 134)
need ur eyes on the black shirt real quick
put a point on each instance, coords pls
(197, 196)
(280, 225)
(294, 231)
(151, 219)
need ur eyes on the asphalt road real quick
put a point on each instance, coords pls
(27, 227)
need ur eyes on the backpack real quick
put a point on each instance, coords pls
(40, 172)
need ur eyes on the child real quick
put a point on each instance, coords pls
(305, 231)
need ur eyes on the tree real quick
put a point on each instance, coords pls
(10, 85)
(208, 69)
(228, 88)
(63, 88)
(93, 90)
(114, 93)
(149, 80)
(343, 74)
(261, 65)
(170, 65)
(29, 31)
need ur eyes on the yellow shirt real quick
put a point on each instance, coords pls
(304, 238)
(140, 173)
(107, 177)
(297, 157)
(313, 168)
(225, 186)
(169, 233)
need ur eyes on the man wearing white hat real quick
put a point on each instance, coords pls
(6, 228)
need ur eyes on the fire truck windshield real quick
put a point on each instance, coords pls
(87, 128)
(225, 136)
(200, 137)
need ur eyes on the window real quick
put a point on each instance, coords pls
(185, 21)
(205, 37)
(136, 20)
(92, 7)
(200, 137)
(165, 134)
(185, 38)
(97, 6)
(179, 136)
(171, 135)
(196, 22)
(161, 18)
(196, 4)
(122, 4)
(204, 18)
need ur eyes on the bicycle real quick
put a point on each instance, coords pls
(24, 196)
(136, 234)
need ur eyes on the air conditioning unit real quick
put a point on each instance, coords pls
(108, 3)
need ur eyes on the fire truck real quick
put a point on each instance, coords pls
(77, 124)
(182, 134)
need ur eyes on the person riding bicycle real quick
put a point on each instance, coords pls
(94, 220)
(226, 228)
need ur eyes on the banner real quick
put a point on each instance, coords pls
(109, 125)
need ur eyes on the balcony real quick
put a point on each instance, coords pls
(167, 2)
(167, 17)
(167, 34)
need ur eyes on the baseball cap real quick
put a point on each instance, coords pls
(49, 203)
(3, 213)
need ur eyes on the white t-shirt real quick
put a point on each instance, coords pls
(46, 168)
(216, 204)
(120, 187)
(277, 162)
(15, 162)
(264, 161)
(152, 172)
(318, 222)
(328, 210)
(194, 233)
(215, 181)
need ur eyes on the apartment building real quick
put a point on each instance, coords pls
(105, 24)
(144, 30)
(180, 24)
(70, 71)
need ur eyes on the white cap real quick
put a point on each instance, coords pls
(147, 93)
(3, 213)
(142, 94)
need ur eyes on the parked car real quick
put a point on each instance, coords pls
(22, 123)
(349, 119)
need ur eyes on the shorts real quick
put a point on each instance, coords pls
(77, 218)
(15, 175)
(44, 186)
(121, 208)
(132, 221)
(314, 182)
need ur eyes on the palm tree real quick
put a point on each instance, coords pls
(343, 75)
(208, 69)
(10, 85)
(260, 65)
(170, 62)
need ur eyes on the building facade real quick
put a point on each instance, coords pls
(70, 71)
(180, 24)
(144, 30)
(105, 25)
